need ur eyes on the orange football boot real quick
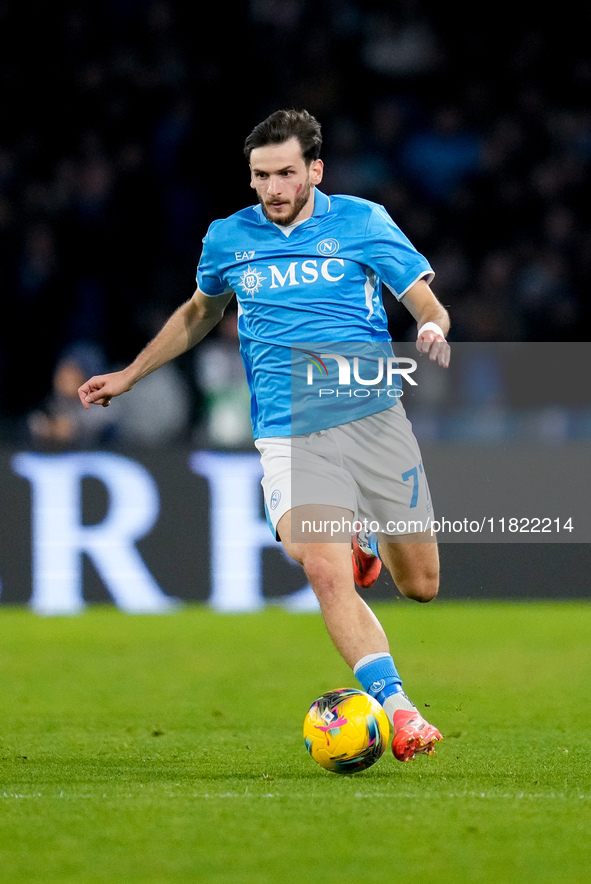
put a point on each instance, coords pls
(413, 735)
(366, 565)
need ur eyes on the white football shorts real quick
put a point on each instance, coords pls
(371, 467)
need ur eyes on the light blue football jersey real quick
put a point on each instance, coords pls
(322, 283)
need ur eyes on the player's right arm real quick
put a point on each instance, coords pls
(188, 325)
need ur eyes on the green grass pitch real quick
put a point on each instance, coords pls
(169, 749)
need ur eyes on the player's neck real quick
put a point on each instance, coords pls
(308, 210)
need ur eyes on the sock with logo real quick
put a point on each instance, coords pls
(368, 544)
(379, 678)
(372, 542)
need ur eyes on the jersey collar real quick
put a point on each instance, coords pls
(321, 207)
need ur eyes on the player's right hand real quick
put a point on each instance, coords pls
(100, 390)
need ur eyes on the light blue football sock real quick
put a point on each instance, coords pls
(378, 676)
(372, 542)
(368, 543)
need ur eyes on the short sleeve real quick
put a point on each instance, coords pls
(209, 279)
(392, 256)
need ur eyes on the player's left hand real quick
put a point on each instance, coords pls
(436, 346)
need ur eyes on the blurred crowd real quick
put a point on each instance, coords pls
(121, 140)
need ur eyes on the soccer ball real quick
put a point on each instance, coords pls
(346, 730)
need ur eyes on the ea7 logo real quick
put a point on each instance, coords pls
(244, 256)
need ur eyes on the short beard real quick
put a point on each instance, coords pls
(299, 203)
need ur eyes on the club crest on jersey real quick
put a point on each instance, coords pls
(251, 281)
(328, 247)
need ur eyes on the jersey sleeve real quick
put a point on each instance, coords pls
(209, 279)
(391, 254)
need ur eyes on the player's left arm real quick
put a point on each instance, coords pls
(421, 302)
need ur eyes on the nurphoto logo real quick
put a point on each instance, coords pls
(382, 373)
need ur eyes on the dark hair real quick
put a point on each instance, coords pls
(283, 125)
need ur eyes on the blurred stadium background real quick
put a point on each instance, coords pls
(121, 140)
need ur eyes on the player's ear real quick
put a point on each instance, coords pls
(316, 172)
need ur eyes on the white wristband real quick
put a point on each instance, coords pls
(430, 326)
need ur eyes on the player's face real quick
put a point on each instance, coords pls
(283, 182)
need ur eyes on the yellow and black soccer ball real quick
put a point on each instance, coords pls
(346, 730)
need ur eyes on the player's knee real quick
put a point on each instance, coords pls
(322, 574)
(421, 588)
(319, 572)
